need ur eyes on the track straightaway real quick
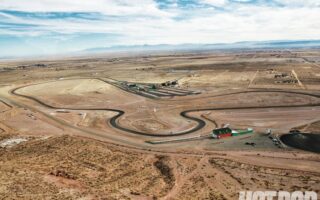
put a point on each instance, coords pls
(200, 123)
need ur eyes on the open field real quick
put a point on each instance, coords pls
(81, 127)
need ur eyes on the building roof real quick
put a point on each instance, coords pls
(220, 131)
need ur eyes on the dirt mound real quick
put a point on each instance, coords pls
(164, 169)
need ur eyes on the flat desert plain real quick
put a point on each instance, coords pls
(141, 127)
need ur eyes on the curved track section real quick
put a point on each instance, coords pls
(113, 120)
(200, 123)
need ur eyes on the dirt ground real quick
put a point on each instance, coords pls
(75, 129)
(71, 167)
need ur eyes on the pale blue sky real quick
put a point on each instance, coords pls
(47, 27)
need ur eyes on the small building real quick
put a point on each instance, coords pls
(281, 75)
(222, 132)
(140, 88)
(242, 132)
(153, 86)
(131, 85)
(62, 111)
(175, 82)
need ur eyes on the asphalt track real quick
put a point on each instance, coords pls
(200, 123)
(113, 120)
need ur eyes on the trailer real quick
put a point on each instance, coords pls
(242, 132)
(228, 132)
(221, 133)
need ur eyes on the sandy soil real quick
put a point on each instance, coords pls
(70, 167)
(80, 154)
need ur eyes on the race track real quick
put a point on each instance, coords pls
(185, 114)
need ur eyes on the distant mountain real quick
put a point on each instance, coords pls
(237, 45)
(277, 44)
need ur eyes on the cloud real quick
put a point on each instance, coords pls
(126, 22)
(303, 3)
(215, 2)
(108, 7)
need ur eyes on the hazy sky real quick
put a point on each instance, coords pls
(58, 26)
